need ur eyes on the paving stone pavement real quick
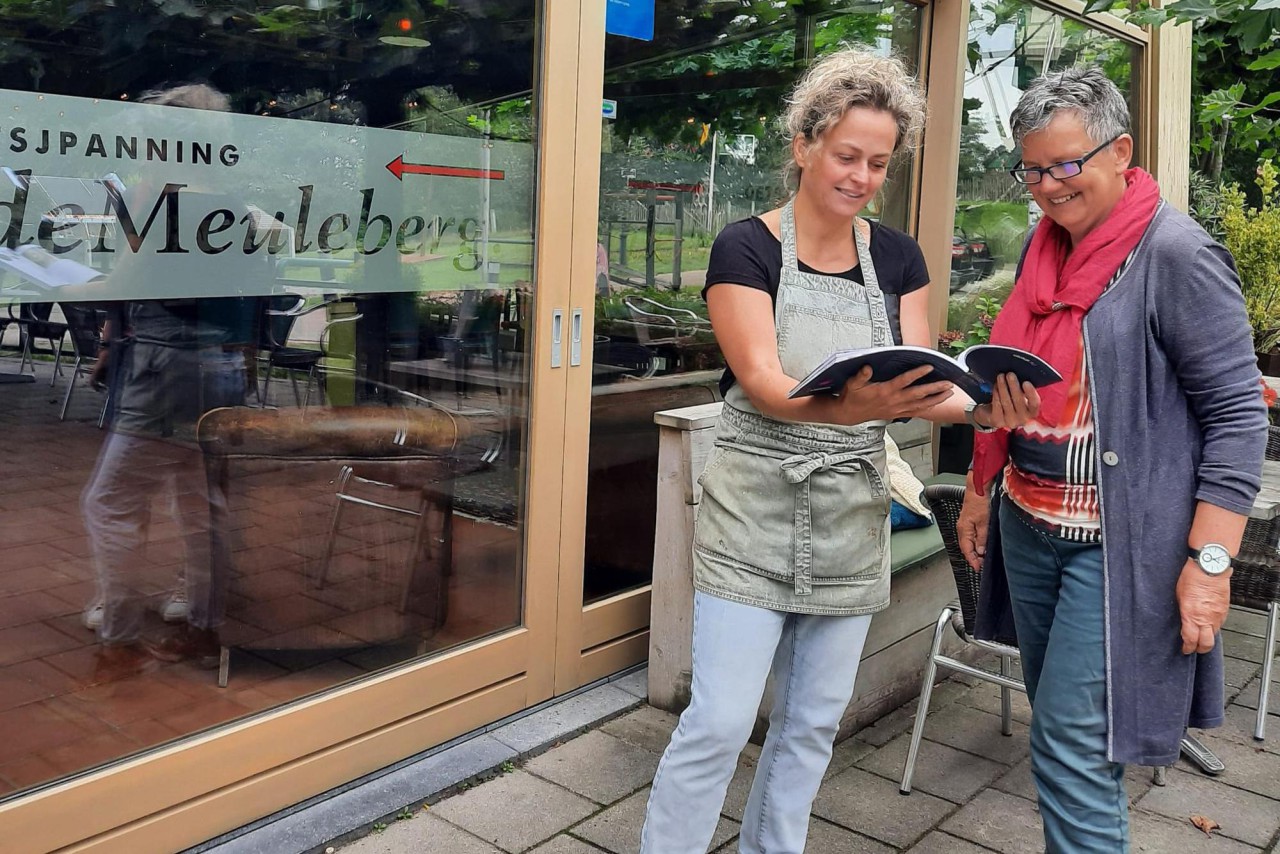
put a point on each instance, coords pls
(973, 791)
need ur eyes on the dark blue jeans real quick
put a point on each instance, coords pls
(1057, 592)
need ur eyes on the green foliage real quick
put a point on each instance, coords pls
(984, 310)
(1206, 204)
(1253, 236)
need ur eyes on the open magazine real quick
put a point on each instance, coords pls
(44, 269)
(973, 371)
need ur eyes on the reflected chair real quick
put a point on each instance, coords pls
(33, 320)
(946, 500)
(391, 439)
(327, 362)
(409, 491)
(1255, 586)
(83, 326)
(280, 313)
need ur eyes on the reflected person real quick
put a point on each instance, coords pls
(178, 358)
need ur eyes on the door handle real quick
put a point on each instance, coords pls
(575, 338)
(557, 335)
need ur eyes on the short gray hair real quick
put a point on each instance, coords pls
(1082, 90)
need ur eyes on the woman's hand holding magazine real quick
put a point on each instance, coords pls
(974, 372)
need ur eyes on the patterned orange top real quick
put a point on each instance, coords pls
(1052, 474)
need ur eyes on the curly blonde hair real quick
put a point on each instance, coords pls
(853, 77)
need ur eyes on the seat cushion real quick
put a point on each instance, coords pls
(914, 546)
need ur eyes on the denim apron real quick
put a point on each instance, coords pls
(795, 517)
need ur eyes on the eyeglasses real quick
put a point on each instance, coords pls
(1058, 171)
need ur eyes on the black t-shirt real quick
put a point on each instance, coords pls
(747, 253)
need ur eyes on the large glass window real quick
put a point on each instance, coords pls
(691, 143)
(263, 356)
(1009, 46)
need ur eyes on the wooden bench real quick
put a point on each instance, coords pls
(898, 643)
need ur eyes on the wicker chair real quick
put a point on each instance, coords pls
(1255, 585)
(946, 500)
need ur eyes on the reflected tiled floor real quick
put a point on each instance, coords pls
(290, 636)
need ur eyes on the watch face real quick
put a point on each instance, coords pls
(1214, 559)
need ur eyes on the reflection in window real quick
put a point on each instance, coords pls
(1010, 45)
(263, 362)
(695, 144)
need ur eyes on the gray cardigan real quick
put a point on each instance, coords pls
(1178, 418)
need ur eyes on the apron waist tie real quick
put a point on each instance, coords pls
(797, 470)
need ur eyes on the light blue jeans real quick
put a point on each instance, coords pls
(814, 660)
(1057, 592)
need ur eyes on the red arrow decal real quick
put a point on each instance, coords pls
(399, 168)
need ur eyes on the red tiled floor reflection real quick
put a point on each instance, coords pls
(292, 631)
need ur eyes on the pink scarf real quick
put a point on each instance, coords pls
(1057, 287)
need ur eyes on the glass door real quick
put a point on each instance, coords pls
(274, 339)
(690, 143)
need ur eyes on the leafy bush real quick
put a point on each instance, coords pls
(1253, 236)
(978, 331)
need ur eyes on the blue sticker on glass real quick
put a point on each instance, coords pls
(630, 18)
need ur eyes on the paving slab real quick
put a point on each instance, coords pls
(1240, 645)
(827, 838)
(901, 720)
(1249, 695)
(1000, 821)
(423, 832)
(1237, 673)
(1243, 815)
(596, 766)
(1249, 765)
(940, 770)
(942, 843)
(1246, 622)
(636, 683)
(1238, 727)
(515, 811)
(1156, 834)
(871, 805)
(978, 733)
(617, 829)
(846, 755)
(646, 727)
(562, 844)
(565, 719)
(986, 698)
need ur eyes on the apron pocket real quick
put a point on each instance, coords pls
(828, 522)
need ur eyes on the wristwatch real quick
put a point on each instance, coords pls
(973, 422)
(1213, 558)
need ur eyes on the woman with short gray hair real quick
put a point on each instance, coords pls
(1106, 544)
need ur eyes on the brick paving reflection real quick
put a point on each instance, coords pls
(290, 638)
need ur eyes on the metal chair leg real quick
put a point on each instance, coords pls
(922, 707)
(66, 398)
(26, 353)
(1268, 662)
(1006, 697)
(106, 404)
(57, 361)
(322, 572)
